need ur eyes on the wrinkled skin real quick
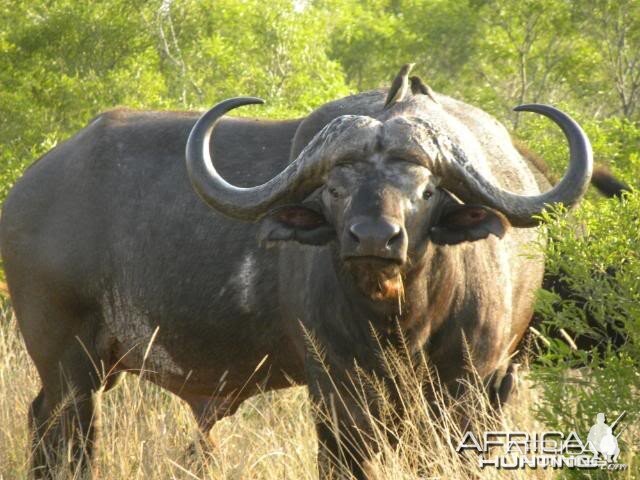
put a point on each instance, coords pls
(103, 241)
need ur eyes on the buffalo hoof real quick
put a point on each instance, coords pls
(502, 386)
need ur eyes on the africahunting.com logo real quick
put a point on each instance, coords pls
(512, 450)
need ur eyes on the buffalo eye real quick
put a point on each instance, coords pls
(427, 194)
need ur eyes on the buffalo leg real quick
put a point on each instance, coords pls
(65, 416)
(40, 457)
(343, 429)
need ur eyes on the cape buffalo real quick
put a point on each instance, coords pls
(417, 215)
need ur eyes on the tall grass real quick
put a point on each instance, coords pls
(147, 431)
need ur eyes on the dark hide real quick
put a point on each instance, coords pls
(103, 241)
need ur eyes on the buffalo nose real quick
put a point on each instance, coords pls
(380, 237)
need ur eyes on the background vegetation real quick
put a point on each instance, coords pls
(62, 62)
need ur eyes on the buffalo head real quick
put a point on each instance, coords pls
(381, 189)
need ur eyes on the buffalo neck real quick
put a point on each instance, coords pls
(350, 323)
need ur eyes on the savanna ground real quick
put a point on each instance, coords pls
(146, 432)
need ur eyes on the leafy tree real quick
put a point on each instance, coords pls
(525, 53)
(614, 26)
(373, 38)
(251, 48)
(62, 63)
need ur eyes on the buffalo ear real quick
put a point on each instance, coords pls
(299, 223)
(467, 223)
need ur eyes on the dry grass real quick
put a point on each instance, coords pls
(147, 431)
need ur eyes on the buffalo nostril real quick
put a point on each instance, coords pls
(376, 236)
(354, 233)
(396, 235)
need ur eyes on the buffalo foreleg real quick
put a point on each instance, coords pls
(347, 446)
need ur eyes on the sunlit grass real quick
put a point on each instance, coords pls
(147, 431)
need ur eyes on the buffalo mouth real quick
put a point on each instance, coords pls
(378, 278)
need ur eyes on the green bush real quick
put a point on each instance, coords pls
(596, 251)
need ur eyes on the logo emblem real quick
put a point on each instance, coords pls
(601, 439)
(551, 449)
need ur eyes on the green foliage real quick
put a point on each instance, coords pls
(517, 59)
(596, 251)
(63, 62)
(372, 38)
(615, 142)
(265, 49)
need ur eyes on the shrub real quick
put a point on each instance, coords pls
(596, 252)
